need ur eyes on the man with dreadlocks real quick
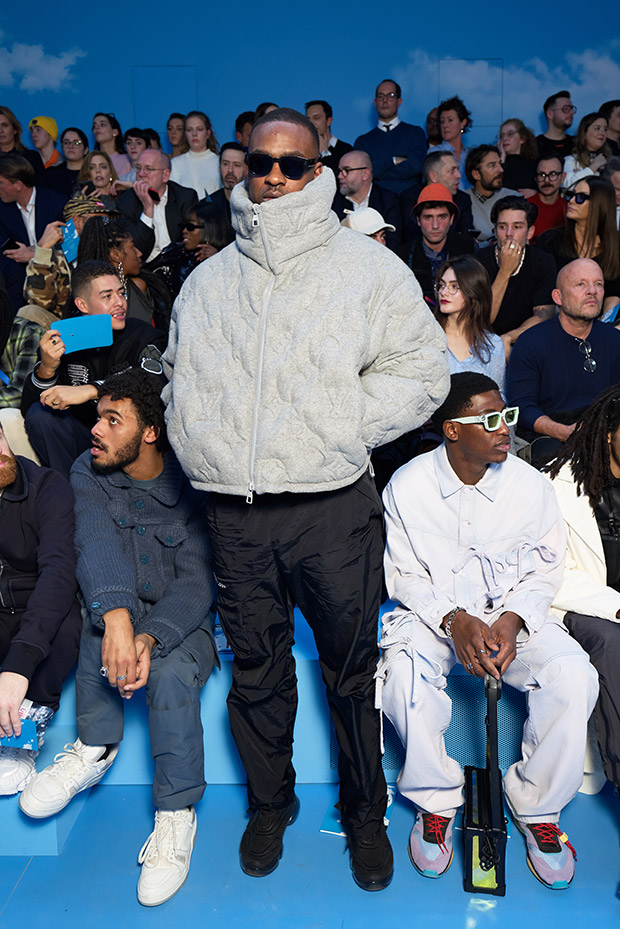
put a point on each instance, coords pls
(586, 477)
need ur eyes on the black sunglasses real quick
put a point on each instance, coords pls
(191, 227)
(579, 197)
(292, 166)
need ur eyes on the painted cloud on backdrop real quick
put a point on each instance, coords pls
(31, 68)
(495, 89)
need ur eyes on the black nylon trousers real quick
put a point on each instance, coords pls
(600, 638)
(324, 552)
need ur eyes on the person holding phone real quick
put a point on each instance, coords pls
(153, 211)
(57, 397)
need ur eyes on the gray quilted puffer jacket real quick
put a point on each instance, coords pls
(296, 350)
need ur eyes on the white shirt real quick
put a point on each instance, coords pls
(392, 123)
(27, 214)
(200, 170)
(363, 204)
(158, 224)
(494, 546)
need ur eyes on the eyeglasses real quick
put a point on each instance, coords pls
(192, 227)
(75, 143)
(390, 96)
(347, 171)
(292, 167)
(452, 287)
(147, 169)
(508, 134)
(585, 348)
(567, 108)
(491, 421)
(579, 196)
(552, 175)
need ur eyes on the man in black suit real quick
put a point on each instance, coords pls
(232, 171)
(435, 214)
(356, 189)
(321, 114)
(25, 211)
(154, 221)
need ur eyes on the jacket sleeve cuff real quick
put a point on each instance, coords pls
(532, 609)
(42, 256)
(104, 601)
(23, 659)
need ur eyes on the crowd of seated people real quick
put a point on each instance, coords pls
(513, 250)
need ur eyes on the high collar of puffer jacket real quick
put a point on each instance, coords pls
(277, 231)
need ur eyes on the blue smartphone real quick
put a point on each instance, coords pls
(70, 241)
(82, 332)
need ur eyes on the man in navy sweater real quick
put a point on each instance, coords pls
(397, 149)
(559, 367)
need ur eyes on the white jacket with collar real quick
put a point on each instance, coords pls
(584, 589)
(296, 350)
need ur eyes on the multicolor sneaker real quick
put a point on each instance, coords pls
(547, 854)
(430, 844)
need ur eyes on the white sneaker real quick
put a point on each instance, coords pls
(165, 856)
(78, 767)
(17, 768)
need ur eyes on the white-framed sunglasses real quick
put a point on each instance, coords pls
(491, 421)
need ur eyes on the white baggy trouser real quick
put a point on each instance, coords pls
(550, 667)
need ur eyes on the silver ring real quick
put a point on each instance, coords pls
(469, 667)
(104, 671)
(482, 651)
(121, 677)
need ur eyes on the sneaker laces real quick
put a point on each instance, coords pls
(435, 828)
(68, 765)
(162, 842)
(550, 834)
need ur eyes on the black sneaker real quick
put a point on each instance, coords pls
(372, 860)
(261, 845)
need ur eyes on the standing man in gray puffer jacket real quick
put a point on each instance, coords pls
(292, 354)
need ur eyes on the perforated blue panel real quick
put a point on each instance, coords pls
(466, 735)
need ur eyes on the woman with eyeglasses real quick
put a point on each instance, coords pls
(589, 231)
(590, 151)
(176, 134)
(518, 151)
(109, 140)
(98, 178)
(586, 477)
(206, 231)
(199, 167)
(64, 177)
(454, 121)
(464, 300)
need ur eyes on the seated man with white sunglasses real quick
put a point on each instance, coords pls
(474, 556)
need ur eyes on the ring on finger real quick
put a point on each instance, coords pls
(482, 651)
(469, 666)
(121, 677)
(104, 671)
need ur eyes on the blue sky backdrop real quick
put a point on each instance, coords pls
(142, 60)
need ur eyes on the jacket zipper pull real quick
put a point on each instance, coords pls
(250, 495)
(255, 223)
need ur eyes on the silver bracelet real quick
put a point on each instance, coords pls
(448, 627)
